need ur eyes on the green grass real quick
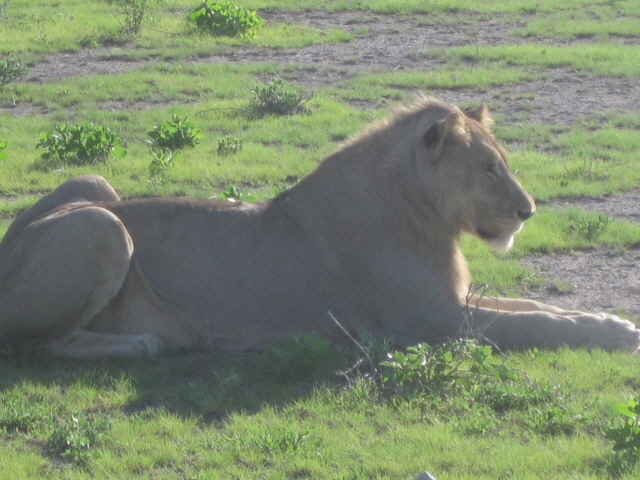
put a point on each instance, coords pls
(35, 31)
(205, 415)
(222, 421)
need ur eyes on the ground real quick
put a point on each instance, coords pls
(595, 280)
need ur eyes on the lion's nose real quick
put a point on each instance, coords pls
(525, 214)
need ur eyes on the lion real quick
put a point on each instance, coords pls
(370, 238)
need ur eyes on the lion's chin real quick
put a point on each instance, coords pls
(499, 244)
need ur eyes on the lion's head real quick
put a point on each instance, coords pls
(477, 192)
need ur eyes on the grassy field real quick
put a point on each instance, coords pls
(286, 413)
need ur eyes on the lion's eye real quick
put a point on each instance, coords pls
(491, 170)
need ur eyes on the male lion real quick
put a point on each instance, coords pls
(370, 238)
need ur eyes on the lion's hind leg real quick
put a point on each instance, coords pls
(57, 273)
(83, 188)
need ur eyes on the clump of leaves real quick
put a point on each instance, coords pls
(84, 144)
(175, 134)
(229, 146)
(294, 358)
(75, 438)
(277, 98)
(626, 437)
(225, 19)
(234, 194)
(590, 228)
(133, 12)
(461, 365)
(163, 160)
(10, 69)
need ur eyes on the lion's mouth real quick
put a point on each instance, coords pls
(500, 243)
(487, 236)
(484, 235)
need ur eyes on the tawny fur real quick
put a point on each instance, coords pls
(370, 238)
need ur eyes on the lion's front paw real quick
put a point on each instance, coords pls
(148, 344)
(611, 332)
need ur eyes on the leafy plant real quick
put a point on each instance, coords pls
(590, 228)
(452, 367)
(277, 98)
(10, 69)
(626, 437)
(134, 13)
(79, 145)
(229, 145)
(73, 439)
(225, 19)
(234, 194)
(163, 160)
(3, 154)
(175, 134)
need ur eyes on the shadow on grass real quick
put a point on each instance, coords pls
(196, 384)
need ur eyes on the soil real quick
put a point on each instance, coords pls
(596, 279)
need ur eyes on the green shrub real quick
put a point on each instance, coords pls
(133, 12)
(453, 367)
(3, 154)
(234, 194)
(229, 145)
(73, 439)
(10, 69)
(163, 160)
(276, 98)
(225, 19)
(175, 134)
(589, 227)
(626, 437)
(79, 145)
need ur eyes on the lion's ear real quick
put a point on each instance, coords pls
(480, 114)
(451, 129)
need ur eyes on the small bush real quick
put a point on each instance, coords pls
(276, 98)
(79, 145)
(454, 367)
(163, 160)
(229, 146)
(10, 69)
(626, 437)
(590, 228)
(74, 439)
(225, 19)
(234, 194)
(134, 12)
(175, 134)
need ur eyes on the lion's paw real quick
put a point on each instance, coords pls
(147, 344)
(136, 345)
(611, 332)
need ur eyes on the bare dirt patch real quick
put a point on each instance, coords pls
(597, 279)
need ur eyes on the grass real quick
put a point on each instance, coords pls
(285, 413)
(34, 32)
(222, 421)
